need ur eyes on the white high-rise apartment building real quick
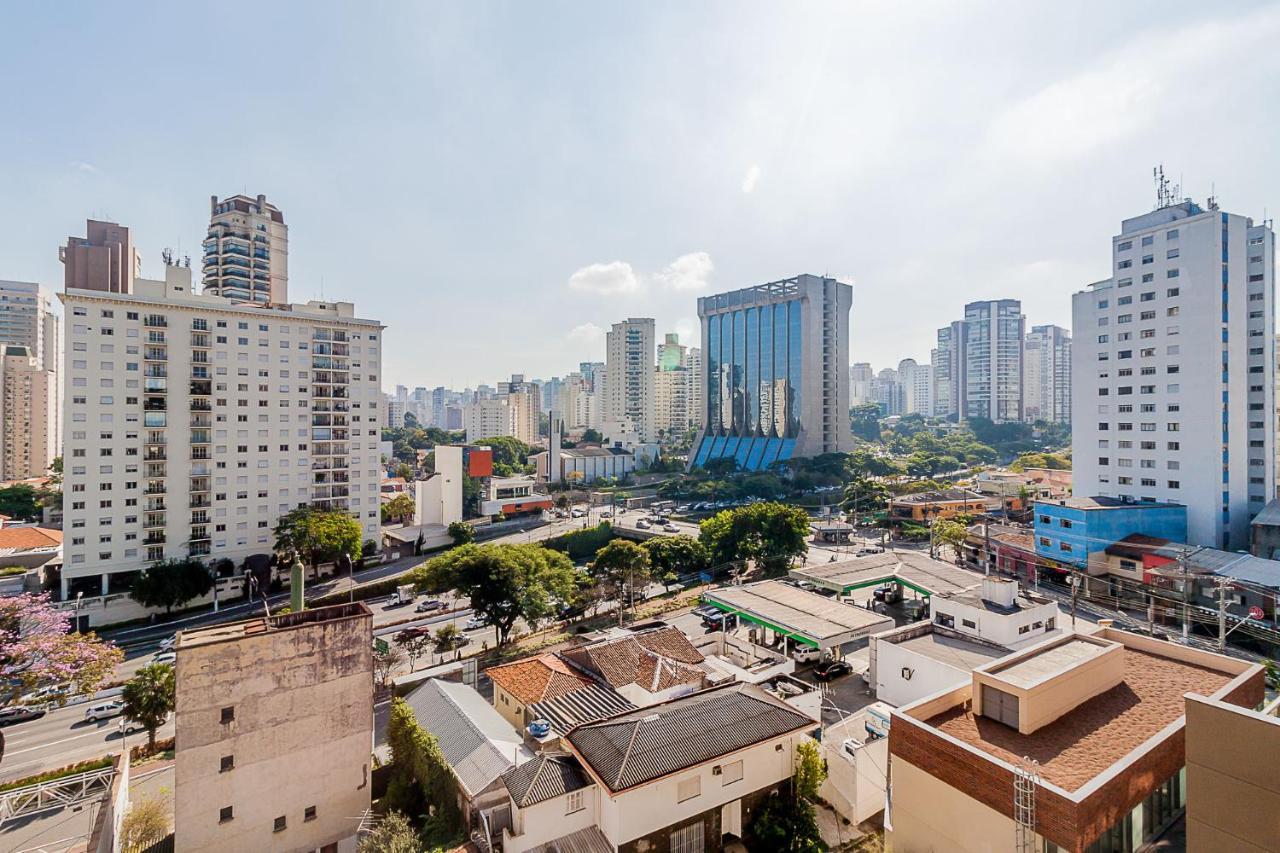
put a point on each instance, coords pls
(992, 374)
(394, 418)
(1046, 375)
(28, 414)
(27, 319)
(628, 380)
(1173, 365)
(246, 255)
(194, 422)
(917, 387)
(487, 417)
(948, 372)
(676, 385)
(524, 401)
(860, 378)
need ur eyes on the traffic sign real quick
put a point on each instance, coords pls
(380, 646)
(1256, 612)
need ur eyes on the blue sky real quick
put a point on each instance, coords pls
(498, 182)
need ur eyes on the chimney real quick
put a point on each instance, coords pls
(999, 591)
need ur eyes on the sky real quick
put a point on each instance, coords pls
(499, 182)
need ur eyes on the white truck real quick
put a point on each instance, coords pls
(402, 595)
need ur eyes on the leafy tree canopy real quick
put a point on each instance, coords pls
(318, 536)
(149, 697)
(772, 534)
(679, 555)
(461, 533)
(171, 583)
(36, 649)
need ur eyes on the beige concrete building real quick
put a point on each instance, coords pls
(1233, 794)
(487, 418)
(27, 319)
(246, 254)
(28, 414)
(676, 388)
(628, 378)
(275, 732)
(103, 259)
(524, 400)
(1071, 745)
(194, 422)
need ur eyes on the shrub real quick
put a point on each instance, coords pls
(582, 544)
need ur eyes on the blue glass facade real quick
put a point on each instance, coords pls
(754, 365)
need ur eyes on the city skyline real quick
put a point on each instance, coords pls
(656, 198)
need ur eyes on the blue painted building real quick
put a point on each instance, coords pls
(1068, 531)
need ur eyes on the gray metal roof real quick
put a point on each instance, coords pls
(646, 744)
(545, 777)
(1270, 514)
(581, 706)
(918, 571)
(476, 741)
(821, 620)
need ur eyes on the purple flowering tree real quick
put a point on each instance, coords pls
(36, 649)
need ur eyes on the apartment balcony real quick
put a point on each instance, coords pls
(200, 357)
(200, 436)
(201, 406)
(155, 385)
(200, 388)
(154, 539)
(201, 453)
(199, 549)
(339, 335)
(155, 354)
(155, 321)
(156, 505)
(155, 455)
(321, 465)
(322, 335)
(199, 469)
(155, 554)
(200, 339)
(154, 404)
(320, 492)
(200, 517)
(199, 503)
(156, 371)
(201, 421)
(154, 420)
(156, 488)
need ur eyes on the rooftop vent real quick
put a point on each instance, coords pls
(999, 591)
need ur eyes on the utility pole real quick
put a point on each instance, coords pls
(986, 544)
(1075, 593)
(1186, 594)
(1222, 584)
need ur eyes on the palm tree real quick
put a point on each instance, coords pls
(149, 698)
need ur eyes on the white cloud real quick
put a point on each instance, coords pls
(750, 179)
(688, 272)
(81, 166)
(586, 333)
(606, 279)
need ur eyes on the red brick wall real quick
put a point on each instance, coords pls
(1249, 693)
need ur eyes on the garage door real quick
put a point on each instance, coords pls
(1000, 706)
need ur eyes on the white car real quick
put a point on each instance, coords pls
(670, 528)
(167, 644)
(165, 657)
(104, 711)
(475, 623)
(578, 512)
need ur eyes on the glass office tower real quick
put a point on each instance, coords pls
(775, 367)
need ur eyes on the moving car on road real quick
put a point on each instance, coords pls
(670, 528)
(475, 623)
(20, 714)
(430, 605)
(643, 524)
(104, 711)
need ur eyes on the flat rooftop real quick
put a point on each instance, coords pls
(1022, 601)
(273, 624)
(816, 617)
(953, 651)
(1054, 660)
(1096, 734)
(1105, 502)
(917, 571)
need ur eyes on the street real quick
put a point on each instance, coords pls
(63, 737)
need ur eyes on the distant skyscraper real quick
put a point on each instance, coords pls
(948, 372)
(525, 401)
(628, 385)
(776, 372)
(993, 333)
(887, 391)
(917, 387)
(28, 414)
(246, 255)
(1173, 370)
(591, 371)
(103, 259)
(27, 319)
(1046, 375)
(676, 386)
(860, 376)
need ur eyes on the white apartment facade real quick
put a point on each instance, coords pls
(27, 318)
(194, 422)
(394, 413)
(992, 368)
(487, 417)
(917, 387)
(1174, 364)
(1046, 375)
(629, 370)
(524, 400)
(28, 414)
(860, 377)
(246, 253)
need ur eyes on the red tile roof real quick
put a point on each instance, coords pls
(28, 538)
(538, 678)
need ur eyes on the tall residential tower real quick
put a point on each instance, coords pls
(246, 255)
(1174, 370)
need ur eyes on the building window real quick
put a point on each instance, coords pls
(573, 803)
(228, 714)
(281, 824)
(687, 789)
(309, 813)
(968, 623)
(226, 815)
(687, 839)
(730, 773)
(228, 763)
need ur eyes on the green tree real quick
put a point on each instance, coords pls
(864, 421)
(400, 507)
(171, 583)
(145, 824)
(950, 533)
(675, 555)
(510, 454)
(461, 533)
(787, 821)
(810, 771)
(771, 534)
(405, 471)
(504, 582)
(391, 834)
(446, 638)
(20, 502)
(318, 536)
(385, 662)
(619, 569)
(414, 644)
(591, 435)
(420, 777)
(149, 698)
(864, 495)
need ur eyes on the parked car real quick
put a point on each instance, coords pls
(475, 623)
(48, 693)
(165, 657)
(104, 711)
(705, 610)
(916, 609)
(721, 621)
(606, 514)
(20, 714)
(167, 644)
(643, 524)
(829, 669)
(430, 605)
(806, 654)
(578, 512)
(890, 593)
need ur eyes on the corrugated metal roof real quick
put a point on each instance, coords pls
(476, 741)
(545, 777)
(581, 706)
(652, 742)
(1270, 514)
